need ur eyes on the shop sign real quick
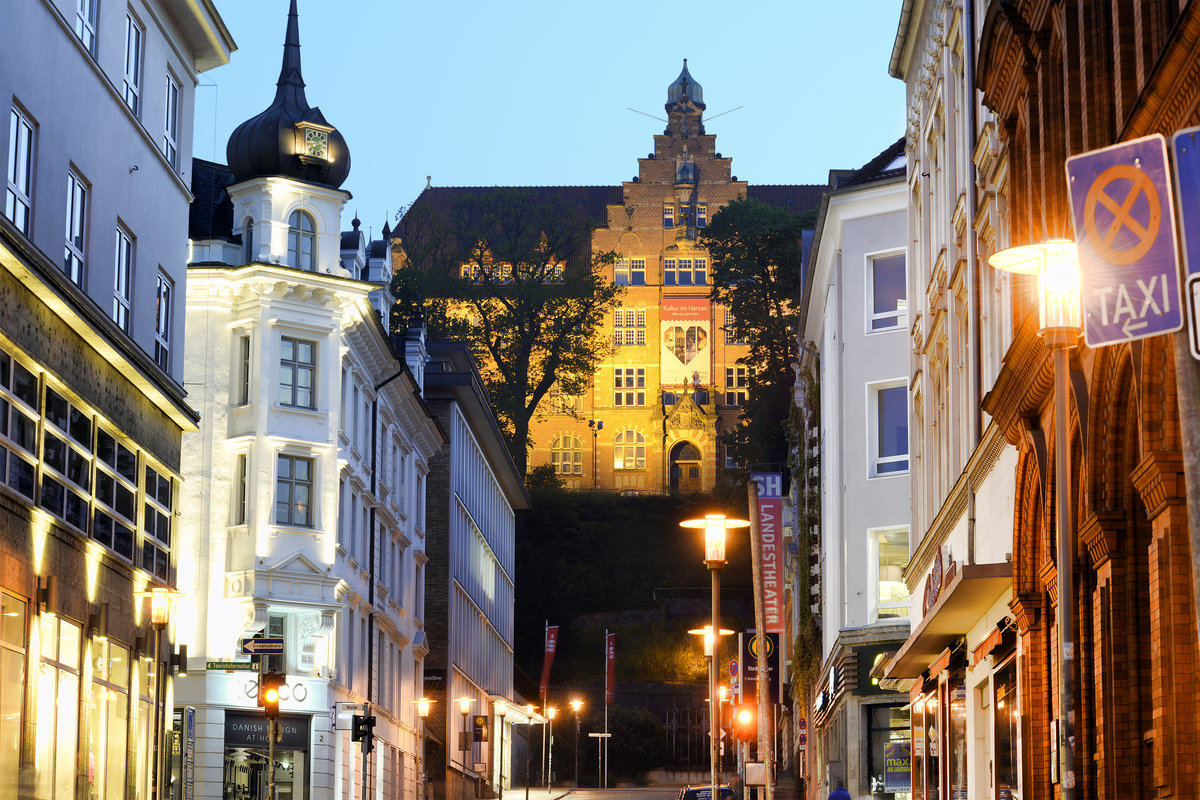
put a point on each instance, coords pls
(250, 729)
(897, 773)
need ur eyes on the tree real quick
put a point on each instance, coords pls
(511, 272)
(757, 272)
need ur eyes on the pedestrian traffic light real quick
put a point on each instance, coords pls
(363, 731)
(745, 722)
(268, 693)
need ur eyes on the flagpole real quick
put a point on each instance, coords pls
(605, 782)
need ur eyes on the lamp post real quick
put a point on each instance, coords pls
(596, 426)
(162, 602)
(464, 708)
(722, 696)
(551, 713)
(713, 670)
(530, 710)
(715, 527)
(1056, 266)
(422, 713)
(576, 704)
(502, 712)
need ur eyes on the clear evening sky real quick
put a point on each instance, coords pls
(530, 92)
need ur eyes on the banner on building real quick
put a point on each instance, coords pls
(610, 668)
(770, 528)
(551, 643)
(685, 326)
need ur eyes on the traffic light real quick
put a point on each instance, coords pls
(363, 731)
(745, 722)
(268, 693)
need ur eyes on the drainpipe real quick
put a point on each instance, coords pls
(974, 306)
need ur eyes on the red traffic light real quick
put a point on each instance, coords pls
(745, 721)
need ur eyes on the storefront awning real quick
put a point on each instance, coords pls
(971, 592)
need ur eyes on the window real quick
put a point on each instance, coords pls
(629, 326)
(888, 303)
(630, 272)
(685, 271)
(13, 619)
(731, 461)
(297, 371)
(888, 429)
(57, 708)
(736, 379)
(293, 492)
(629, 450)
(73, 257)
(123, 280)
(243, 367)
(109, 713)
(668, 215)
(85, 23)
(18, 198)
(133, 65)
(701, 215)
(566, 456)
(67, 462)
(164, 314)
(731, 334)
(171, 123)
(890, 547)
(301, 235)
(889, 741)
(156, 525)
(562, 403)
(241, 489)
(248, 240)
(630, 386)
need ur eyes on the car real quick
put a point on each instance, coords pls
(703, 793)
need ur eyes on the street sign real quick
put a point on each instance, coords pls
(1192, 295)
(230, 666)
(1185, 147)
(1122, 206)
(733, 667)
(270, 647)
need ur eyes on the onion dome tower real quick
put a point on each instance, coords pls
(685, 95)
(290, 139)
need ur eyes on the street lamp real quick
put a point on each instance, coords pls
(551, 713)
(530, 711)
(596, 426)
(576, 704)
(715, 527)
(1056, 265)
(162, 603)
(423, 713)
(464, 707)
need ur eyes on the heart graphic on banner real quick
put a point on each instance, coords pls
(685, 343)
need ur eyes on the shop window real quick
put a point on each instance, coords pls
(13, 620)
(109, 713)
(889, 747)
(1007, 717)
(58, 706)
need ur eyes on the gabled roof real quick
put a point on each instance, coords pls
(589, 200)
(210, 216)
(795, 198)
(879, 168)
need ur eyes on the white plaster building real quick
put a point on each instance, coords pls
(854, 340)
(959, 663)
(306, 481)
(98, 101)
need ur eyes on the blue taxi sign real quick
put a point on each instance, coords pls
(1122, 207)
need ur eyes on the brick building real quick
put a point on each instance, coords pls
(651, 420)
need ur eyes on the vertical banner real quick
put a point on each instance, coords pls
(684, 324)
(551, 643)
(610, 668)
(770, 517)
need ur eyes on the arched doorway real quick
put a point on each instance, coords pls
(685, 468)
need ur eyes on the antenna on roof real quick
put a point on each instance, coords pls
(723, 113)
(644, 114)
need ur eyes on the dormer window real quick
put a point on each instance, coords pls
(312, 142)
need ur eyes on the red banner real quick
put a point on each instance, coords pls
(610, 668)
(551, 643)
(770, 527)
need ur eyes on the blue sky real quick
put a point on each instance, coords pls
(530, 93)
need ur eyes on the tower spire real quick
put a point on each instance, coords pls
(291, 81)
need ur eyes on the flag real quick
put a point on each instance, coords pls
(610, 668)
(770, 528)
(551, 643)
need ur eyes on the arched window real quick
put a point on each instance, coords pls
(301, 236)
(248, 240)
(629, 450)
(566, 456)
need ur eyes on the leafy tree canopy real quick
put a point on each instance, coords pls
(757, 272)
(511, 272)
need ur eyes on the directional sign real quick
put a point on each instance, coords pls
(1121, 203)
(272, 647)
(1185, 147)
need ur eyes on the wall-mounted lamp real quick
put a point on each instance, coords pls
(179, 661)
(47, 594)
(98, 620)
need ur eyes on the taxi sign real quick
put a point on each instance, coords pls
(1122, 207)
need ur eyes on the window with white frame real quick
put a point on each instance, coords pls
(888, 428)
(14, 640)
(248, 240)
(889, 546)
(85, 23)
(294, 491)
(887, 292)
(164, 318)
(57, 713)
(297, 372)
(123, 279)
(668, 215)
(133, 64)
(630, 272)
(76, 231)
(629, 384)
(171, 109)
(731, 334)
(701, 215)
(241, 489)
(629, 326)
(18, 197)
(243, 370)
(566, 455)
(685, 271)
(562, 403)
(301, 239)
(629, 451)
(736, 381)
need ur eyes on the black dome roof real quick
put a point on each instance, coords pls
(271, 144)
